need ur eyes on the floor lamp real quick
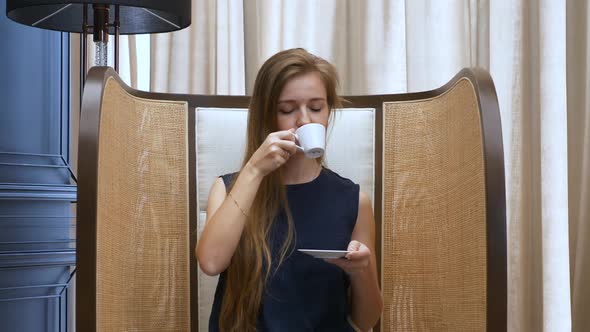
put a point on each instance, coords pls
(101, 18)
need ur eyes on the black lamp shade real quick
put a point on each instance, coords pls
(135, 16)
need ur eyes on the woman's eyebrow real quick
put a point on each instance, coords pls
(292, 101)
(287, 101)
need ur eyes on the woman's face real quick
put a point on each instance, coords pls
(302, 101)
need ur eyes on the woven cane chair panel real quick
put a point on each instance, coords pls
(142, 215)
(434, 214)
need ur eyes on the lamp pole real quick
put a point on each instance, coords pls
(100, 33)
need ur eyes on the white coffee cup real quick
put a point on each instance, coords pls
(312, 139)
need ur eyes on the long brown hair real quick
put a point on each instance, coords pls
(249, 269)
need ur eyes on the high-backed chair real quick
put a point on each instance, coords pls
(432, 163)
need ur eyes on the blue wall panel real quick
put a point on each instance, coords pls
(37, 187)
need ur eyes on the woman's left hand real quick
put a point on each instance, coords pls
(357, 260)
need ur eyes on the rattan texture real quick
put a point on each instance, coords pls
(434, 214)
(142, 214)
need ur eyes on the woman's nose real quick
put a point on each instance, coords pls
(304, 117)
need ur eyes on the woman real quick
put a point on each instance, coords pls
(281, 201)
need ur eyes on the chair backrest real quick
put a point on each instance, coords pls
(133, 216)
(432, 162)
(435, 221)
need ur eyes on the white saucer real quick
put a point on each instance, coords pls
(324, 253)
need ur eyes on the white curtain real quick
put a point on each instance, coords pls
(528, 64)
(354, 35)
(205, 58)
(578, 113)
(537, 53)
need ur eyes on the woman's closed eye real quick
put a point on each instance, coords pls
(311, 108)
(316, 106)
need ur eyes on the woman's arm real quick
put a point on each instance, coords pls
(226, 217)
(361, 265)
(366, 299)
(226, 213)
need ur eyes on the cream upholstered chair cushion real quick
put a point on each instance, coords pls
(221, 138)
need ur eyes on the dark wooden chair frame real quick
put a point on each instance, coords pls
(87, 183)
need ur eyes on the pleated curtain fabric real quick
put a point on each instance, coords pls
(578, 138)
(537, 53)
(205, 58)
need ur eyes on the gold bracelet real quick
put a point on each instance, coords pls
(236, 203)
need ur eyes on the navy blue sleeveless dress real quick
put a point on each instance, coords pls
(306, 293)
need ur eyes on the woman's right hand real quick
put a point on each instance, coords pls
(275, 151)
